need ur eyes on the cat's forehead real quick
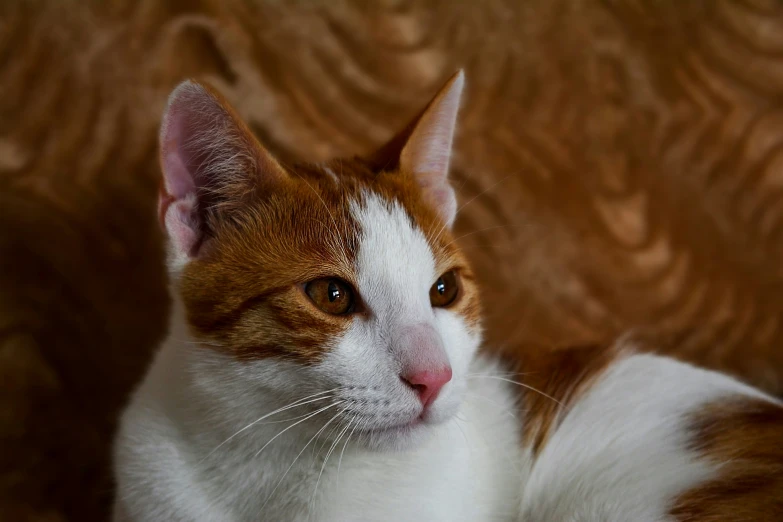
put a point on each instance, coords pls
(316, 225)
(395, 263)
(378, 203)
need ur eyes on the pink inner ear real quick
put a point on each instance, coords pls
(210, 162)
(427, 152)
(178, 204)
(430, 149)
(179, 182)
(183, 231)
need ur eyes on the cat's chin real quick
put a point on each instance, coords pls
(401, 437)
(394, 438)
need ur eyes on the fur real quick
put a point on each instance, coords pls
(260, 405)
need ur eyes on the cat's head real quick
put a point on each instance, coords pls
(340, 282)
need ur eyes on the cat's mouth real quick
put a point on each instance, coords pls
(397, 429)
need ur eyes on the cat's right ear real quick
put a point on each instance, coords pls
(211, 165)
(422, 150)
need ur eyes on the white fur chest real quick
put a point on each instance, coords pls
(469, 470)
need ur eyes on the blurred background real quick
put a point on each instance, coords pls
(619, 164)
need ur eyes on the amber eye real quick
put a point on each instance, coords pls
(331, 295)
(445, 289)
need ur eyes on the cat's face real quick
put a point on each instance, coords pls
(339, 284)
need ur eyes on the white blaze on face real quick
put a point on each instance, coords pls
(395, 269)
(395, 265)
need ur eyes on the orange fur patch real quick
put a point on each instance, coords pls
(552, 381)
(244, 294)
(744, 436)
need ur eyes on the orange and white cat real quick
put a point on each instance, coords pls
(323, 365)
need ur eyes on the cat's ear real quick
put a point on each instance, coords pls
(211, 164)
(423, 149)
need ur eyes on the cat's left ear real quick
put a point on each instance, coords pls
(423, 149)
(212, 166)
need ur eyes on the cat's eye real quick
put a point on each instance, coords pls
(331, 295)
(445, 290)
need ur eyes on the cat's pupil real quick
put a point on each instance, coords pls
(445, 289)
(333, 291)
(440, 286)
(331, 295)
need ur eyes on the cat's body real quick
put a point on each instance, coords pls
(322, 364)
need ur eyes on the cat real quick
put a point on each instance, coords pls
(324, 362)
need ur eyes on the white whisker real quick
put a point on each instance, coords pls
(498, 374)
(340, 461)
(295, 424)
(291, 418)
(456, 423)
(519, 384)
(294, 404)
(331, 216)
(297, 458)
(471, 200)
(317, 451)
(510, 225)
(328, 454)
(495, 403)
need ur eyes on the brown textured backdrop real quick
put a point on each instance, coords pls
(620, 163)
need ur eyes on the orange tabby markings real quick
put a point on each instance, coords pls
(556, 380)
(253, 309)
(745, 436)
(242, 292)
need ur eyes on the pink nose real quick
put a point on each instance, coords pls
(428, 383)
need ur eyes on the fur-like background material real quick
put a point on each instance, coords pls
(620, 164)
